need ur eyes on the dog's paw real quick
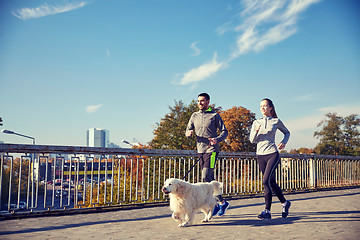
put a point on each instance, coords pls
(205, 220)
(184, 224)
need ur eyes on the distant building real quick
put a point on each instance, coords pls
(97, 137)
(113, 145)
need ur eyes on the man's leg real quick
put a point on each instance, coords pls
(208, 176)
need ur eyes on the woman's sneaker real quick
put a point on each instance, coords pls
(285, 209)
(265, 214)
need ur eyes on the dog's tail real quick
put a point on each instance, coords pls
(217, 186)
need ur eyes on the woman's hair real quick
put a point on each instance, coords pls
(272, 112)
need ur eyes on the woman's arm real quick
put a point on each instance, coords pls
(286, 132)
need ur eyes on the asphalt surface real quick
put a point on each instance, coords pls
(313, 215)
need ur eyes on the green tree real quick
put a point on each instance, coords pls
(238, 121)
(170, 131)
(352, 134)
(338, 135)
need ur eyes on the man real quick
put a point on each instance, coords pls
(206, 122)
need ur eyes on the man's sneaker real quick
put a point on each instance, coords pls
(216, 209)
(285, 209)
(223, 208)
(265, 214)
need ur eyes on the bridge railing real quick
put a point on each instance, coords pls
(46, 178)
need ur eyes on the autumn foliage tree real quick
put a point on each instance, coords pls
(302, 151)
(170, 131)
(14, 170)
(238, 121)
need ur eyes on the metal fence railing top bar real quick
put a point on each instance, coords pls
(25, 148)
(22, 148)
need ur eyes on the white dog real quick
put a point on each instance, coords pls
(186, 198)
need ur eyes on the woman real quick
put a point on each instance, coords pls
(263, 133)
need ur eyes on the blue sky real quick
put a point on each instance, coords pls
(66, 66)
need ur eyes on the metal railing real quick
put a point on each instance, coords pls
(46, 178)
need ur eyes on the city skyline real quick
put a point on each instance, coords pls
(71, 65)
(97, 137)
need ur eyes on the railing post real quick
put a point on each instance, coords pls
(312, 169)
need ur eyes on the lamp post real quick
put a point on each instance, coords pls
(12, 132)
(33, 160)
(126, 142)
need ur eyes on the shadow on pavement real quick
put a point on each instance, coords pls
(294, 199)
(65, 226)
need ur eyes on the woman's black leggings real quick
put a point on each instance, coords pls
(268, 164)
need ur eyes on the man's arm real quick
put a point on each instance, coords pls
(190, 127)
(223, 131)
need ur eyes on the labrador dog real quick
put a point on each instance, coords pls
(187, 198)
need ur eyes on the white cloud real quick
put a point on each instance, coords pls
(197, 51)
(224, 28)
(46, 10)
(200, 73)
(244, 43)
(299, 140)
(259, 25)
(302, 129)
(93, 108)
(296, 7)
(305, 98)
(310, 122)
(276, 34)
(264, 23)
(304, 123)
(343, 110)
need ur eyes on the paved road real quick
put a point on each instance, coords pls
(315, 215)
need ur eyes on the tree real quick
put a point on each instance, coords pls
(338, 136)
(302, 151)
(352, 134)
(170, 132)
(238, 121)
(15, 172)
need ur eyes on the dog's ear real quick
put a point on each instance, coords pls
(180, 187)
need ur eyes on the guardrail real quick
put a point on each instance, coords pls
(45, 178)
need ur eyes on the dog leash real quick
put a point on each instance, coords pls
(190, 169)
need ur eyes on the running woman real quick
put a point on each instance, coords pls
(263, 134)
